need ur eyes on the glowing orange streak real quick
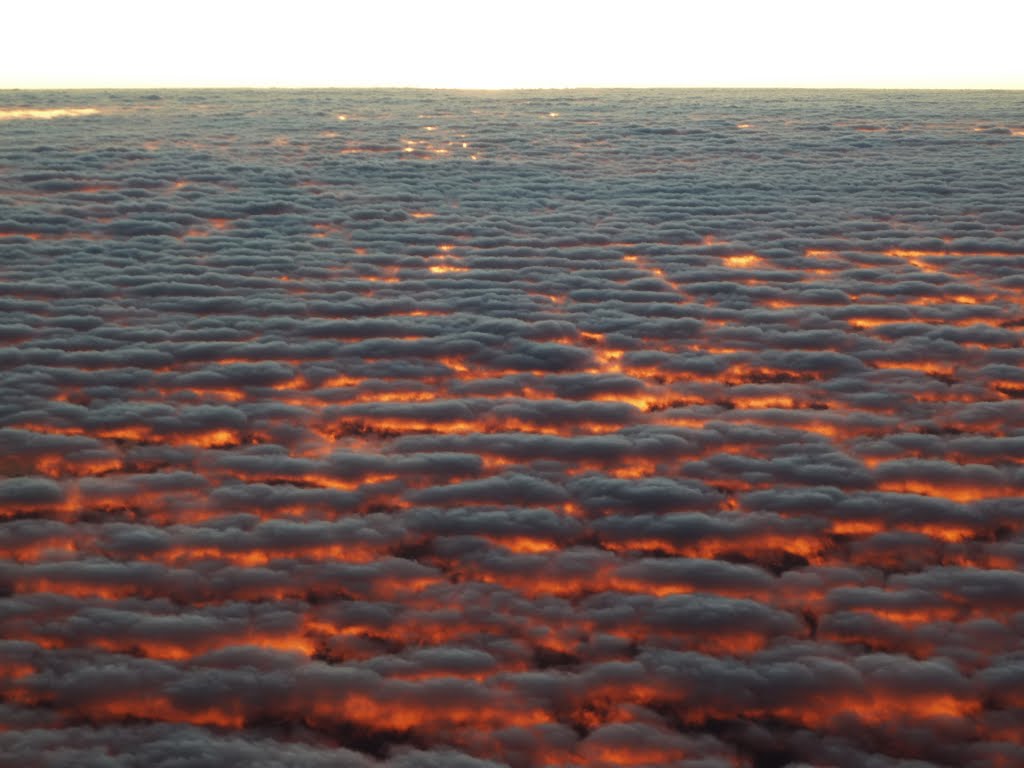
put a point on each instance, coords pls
(14, 671)
(742, 261)
(364, 710)
(679, 421)
(184, 651)
(640, 402)
(907, 253)
(917, 258)
(857, 527)
(926, 368)
(865, 323)
(390, 589)
(321, 481)
(60, 466)
(487, 423)
(668, 377)
(410, 396)
(321, 231)
(376, 279)
(342, 381)
(636, 468)
(744, 373)
(803, 424)
(72, 589)
(524, 544)
(134, 434)
(230, 395)
(931, 301)
(179, 556)
(913, 616)
(553, 299)
(30, 553)
(379, 589)
(296, 383)
(520, 425)
(217, 438)
(541, 585)
(605, 755)
(809, 547)
(455, 364)
(348, 552)
(879, 710)
(138, 433)
(416, 632)
(427, 674)
(400, 425)
(767, 401)
(954, 492)
(197, 514)
(609, 360)
(465, 373)
(1008, 389)
(216, 225)
(646, 587)
(159, 709)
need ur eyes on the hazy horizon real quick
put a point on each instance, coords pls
(510, 89)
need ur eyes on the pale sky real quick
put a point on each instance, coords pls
(504, 44)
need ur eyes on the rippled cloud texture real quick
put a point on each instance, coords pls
(566, 429)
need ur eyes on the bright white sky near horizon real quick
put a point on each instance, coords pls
(508, 44)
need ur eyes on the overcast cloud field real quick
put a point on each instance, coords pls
(589, 428)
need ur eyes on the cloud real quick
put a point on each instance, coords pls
(677, 428)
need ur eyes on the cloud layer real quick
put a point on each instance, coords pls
(398, 428)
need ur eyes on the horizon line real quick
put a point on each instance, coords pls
(509, 88)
